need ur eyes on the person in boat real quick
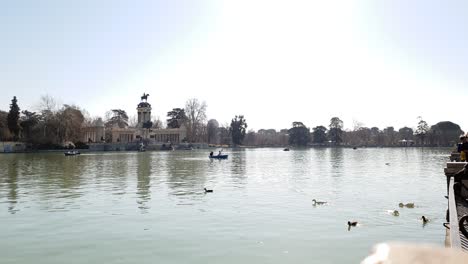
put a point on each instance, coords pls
(211, 154)
(219, 154)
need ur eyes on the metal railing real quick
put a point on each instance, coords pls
(453, 217)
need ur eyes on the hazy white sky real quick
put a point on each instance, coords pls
(382, 63)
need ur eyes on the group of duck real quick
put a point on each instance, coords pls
(355, 223)
(424, 219)
(410, 205)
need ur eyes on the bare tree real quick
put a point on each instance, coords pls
(48, 103)
(223, 131)
(158, 123)
(48, 107)
(251, 138)
(133, 121)
(71, 120)
(357, 125)
(196, 118)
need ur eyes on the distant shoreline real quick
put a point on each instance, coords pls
(215, 147)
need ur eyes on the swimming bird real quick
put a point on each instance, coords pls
(396, 213)
(207, 190)
(318, 202)
(352, 223)
(424, 219)
(387, 163)
(408, 205)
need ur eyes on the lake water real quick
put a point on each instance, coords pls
(150, 207)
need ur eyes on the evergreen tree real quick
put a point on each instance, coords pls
(176, 118)
(238, 129)
(421, 130)
(320, 134)
(299, 134)
(336, 130)
(119, 118)
(13, 118)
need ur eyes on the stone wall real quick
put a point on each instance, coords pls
(11, 147)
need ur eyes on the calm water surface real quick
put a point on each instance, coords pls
(150, 207)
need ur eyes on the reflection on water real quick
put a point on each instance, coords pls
(144, 181)
(12, 185)
(337, 159)
(143, 206)
(186, 175)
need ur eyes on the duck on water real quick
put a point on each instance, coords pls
(408, 205)
(315, 202)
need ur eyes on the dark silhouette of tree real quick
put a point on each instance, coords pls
(269, 137)
(13, 118)
(251, 138)
(224, 134)
(4, 131)
(390, 135)
(445, 133)
(28, 122)
(421, 130)
(376, 136)
(405, 133)
(299, 134)
(335, 134)
(238, 129)
(364, 135)
(119, 118)
(176, 118)
(319, 134)
(380, 140)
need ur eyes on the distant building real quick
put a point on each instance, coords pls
(95, 133)
(406, 143)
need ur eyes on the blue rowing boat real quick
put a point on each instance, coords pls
(218, 157)
(72, 153)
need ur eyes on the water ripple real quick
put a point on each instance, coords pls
(140, 206)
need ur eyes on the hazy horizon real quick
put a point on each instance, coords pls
(378, 63)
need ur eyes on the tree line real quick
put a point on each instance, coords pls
(443, 133)
(53, 125)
